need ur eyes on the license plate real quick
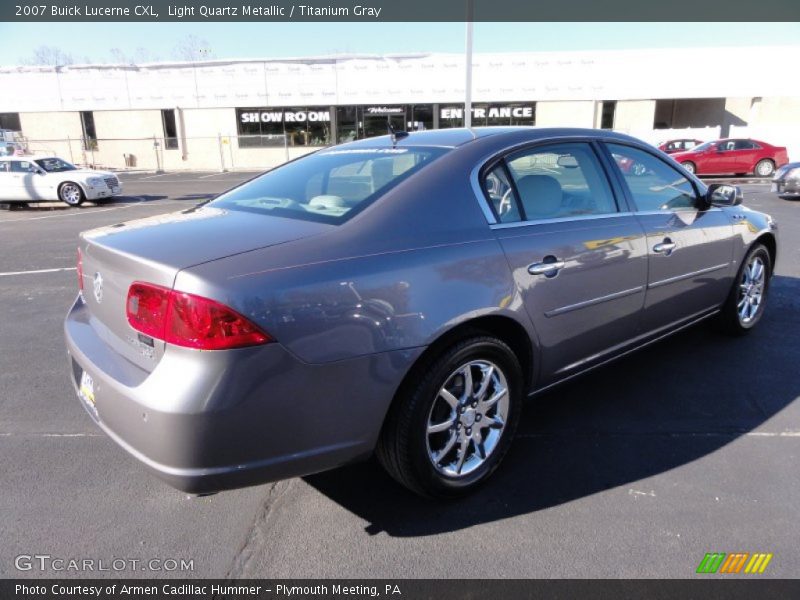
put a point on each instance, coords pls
(86, 389)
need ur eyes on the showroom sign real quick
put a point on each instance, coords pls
(289, 116)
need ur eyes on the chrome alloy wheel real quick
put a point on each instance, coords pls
(71, 193)
(467, 418)
(751, 290)
(764, 168)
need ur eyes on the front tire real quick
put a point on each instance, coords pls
(764, 168)
(689, 166)
(71, 193)
(745, 304)
(450, 427)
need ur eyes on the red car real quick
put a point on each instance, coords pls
(681, 145)
(736, 156)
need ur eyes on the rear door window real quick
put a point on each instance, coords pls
(22, 166)
(560, 181)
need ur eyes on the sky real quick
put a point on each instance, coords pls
(94, 41)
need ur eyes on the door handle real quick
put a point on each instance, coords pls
(666, 247)
(549, 267)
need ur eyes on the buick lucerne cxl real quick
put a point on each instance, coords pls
(399, 295)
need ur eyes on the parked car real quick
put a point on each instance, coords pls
(400, 295)
(10, 148)
(787, 181)
(49, 178)
(681, 145)
(733, 156)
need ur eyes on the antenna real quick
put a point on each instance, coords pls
(396, 135)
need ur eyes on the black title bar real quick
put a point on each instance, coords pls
(733, 588)
(369, 11)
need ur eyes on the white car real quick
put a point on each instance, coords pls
(47, 178)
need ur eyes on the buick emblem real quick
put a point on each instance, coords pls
(98, 287)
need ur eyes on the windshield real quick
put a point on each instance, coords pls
(330, 185)
(54, 165)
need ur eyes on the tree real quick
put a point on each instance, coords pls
(119, 57)
(192, 48)
(139, 56)
(49, 56)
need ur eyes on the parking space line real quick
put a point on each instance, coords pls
(212, 175)
(36, 271)
(157, 175)
(73, 214)
(53, 435)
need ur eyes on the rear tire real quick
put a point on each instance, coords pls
(451, 425)
(764, 168)
(71, 193)
(747, 299)
(689, 166)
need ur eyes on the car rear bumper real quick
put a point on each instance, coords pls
(786, 187)
(208, 421)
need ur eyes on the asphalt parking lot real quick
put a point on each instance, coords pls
(636, 470)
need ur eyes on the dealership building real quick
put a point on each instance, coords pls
(255, 113)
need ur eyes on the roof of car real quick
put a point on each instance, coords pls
(452, 138)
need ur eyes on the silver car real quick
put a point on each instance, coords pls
(400, 296)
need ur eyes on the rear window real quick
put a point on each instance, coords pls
(330, 185)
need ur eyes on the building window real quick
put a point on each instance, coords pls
(89, 132)
(170, 129)
(10, 121)
(378, 118)
(420, 117)
(346, 124)
(274, 127)
(607, 112)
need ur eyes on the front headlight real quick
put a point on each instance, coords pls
(793, 174)
(95, 181)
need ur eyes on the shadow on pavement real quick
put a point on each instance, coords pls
(665, 406)
(197, 197)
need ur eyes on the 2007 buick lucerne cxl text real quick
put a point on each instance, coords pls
(400, 295)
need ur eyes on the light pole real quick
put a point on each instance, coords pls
(468, 59)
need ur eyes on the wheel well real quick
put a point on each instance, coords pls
(504, 328)
(772, 247)
(63, 183)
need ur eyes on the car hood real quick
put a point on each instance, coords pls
(198, 235)
(82, 173)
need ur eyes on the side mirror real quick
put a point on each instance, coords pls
(721, 194)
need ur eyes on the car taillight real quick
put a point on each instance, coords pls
(146, 308)
(80, 270)
(188, 320)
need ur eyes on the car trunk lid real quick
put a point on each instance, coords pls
(154, 250)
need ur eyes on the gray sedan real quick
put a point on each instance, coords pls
(786, 182)
(399, 296)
